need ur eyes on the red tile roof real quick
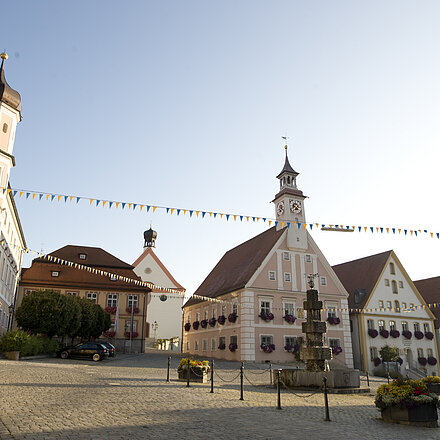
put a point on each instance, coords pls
(361, 274)
(237, 266)
(429, 288)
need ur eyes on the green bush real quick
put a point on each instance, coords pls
(14, 340)
(38, 345)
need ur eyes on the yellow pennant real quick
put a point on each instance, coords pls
(235, 217)
(172, 210)
(59, 197)
(21, 193)
(154, 208)
(130, 205)
(33, 196)
(117, 204)
(91, 201)
(221, 216)
(197, 213)
(103, 203)
(247, 218)
(270, 222)
(282, 225)
(71, 198)
(365, 228)
(305, 225)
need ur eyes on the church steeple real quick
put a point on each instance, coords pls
(288, 175)
(7, 94)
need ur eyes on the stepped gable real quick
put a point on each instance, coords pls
(361, 274)
(237, 266)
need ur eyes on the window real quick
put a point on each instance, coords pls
(411, 306)
(112, 300)
(323, 281)
(272, 275)
(204, 345)
(394, 286)
(197, 316)
(381, 304)
(224, 309)
(300, 312)
(132, 301)
(266, 339)
(429, 352)
(403, 305)
(205, 315)
(213, 344)
(392, 325)
(5, 128)
(128, 325)
(196, 345)
(188, 318)
(221, 341)
(82, 256)
(331, 309)
(416, 327)
(404, 326)
(72, 293)
(187, 345)
(370, 324)
(289, 308)
(420, 352)
(286, 255)
(397, 306)
(233, 340)
(333, 342)
(287, 277)
(264, 306)
(392, 269)
(213, 312)
(308, 258)
(290, 341)
(381, 325)
(55, 273)
(373, 353)
(92, 296)
(389, 304)
(401, 284)
(235, 308)
(426, 327)
(387, 282)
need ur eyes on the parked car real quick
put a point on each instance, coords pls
(110, 347)
(91, 350)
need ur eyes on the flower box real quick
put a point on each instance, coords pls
(111, 310)
(128, 310)
(12, 355)
(384, 333)
(292, 348)
(266, 316)
(433, 387)
(267, 348)
(233, 346)
(333, 320)
(195, 375)
(429, 335)
(204, 323)
(196, 325)
(432, 360)
(418, 335)
(407, 334)
(187, 327)
(423, 415)
(133, 335)
(372, 332)
(110, 333)
(289, 318)
(221, 319)
(212, 322)
(336, 350)
(222, 346)
(232, 317)
(377, 362)
(422, 361)
(394, 333)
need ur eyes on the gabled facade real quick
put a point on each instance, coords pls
(387, 309)
(11, 234)
(126, 302)
(164, 311)
(260, 287)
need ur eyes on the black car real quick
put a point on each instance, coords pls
(88, 350)
(110, 347)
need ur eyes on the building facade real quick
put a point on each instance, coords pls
(126, 302)
(164, 310)
(387, 309)
(12, 240)
(259, 288)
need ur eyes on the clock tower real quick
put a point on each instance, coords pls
(289, 207)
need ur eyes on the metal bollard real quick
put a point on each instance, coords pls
(327, 415)
(241, 380)
(388, 377)
(279, 389)
(187, 374)
(368, 380)
(168, 369)
(212, 376)
(270, 373)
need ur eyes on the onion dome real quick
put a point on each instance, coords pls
(150, 238)
(7, 94)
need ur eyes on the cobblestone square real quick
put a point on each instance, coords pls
(127, 397)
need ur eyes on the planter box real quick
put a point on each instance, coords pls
(423, 415)
(196, 375)
(12, 355)
(434, 387)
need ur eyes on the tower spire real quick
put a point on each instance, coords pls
(7, 94)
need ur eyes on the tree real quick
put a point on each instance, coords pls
(389, 354)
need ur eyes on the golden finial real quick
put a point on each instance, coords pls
(4, 56)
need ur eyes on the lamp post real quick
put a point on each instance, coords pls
(155, 327)
(11, 315)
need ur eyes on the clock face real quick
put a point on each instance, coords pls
(280, 208)
(295, 206)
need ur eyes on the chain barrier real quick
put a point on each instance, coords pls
(262, 371)
(225, 380)
(299, 395)
(253, 384)
(195, 373)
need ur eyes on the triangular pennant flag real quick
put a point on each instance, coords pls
(123, 205)
(103, 203)
(172, 210)
(97, 202)
(91, 201)
(77, 199)
(203, 214)
(227, 217)
(154, 208)
(40, 196)
(167, 210)
(270, 222)
(311, 226)
(178, 211)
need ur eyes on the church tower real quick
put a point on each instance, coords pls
(10, 116)
(289, 207)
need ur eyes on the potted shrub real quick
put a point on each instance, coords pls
(232, 317)
(12, 342)
(267, 348)
(266, 316)
(212, 322)
(407, 334)
(204, 323)
(221, 319)
(418, 334)
(372, 332)
(433, 384)
(289, 318)
(407, 401)
(196, 325)
(187, 327)
(198, 370)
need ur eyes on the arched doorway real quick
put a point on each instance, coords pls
(409, 357)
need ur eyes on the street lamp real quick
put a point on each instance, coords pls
(155, 326)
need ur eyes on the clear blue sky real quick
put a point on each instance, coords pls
(183, 104)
